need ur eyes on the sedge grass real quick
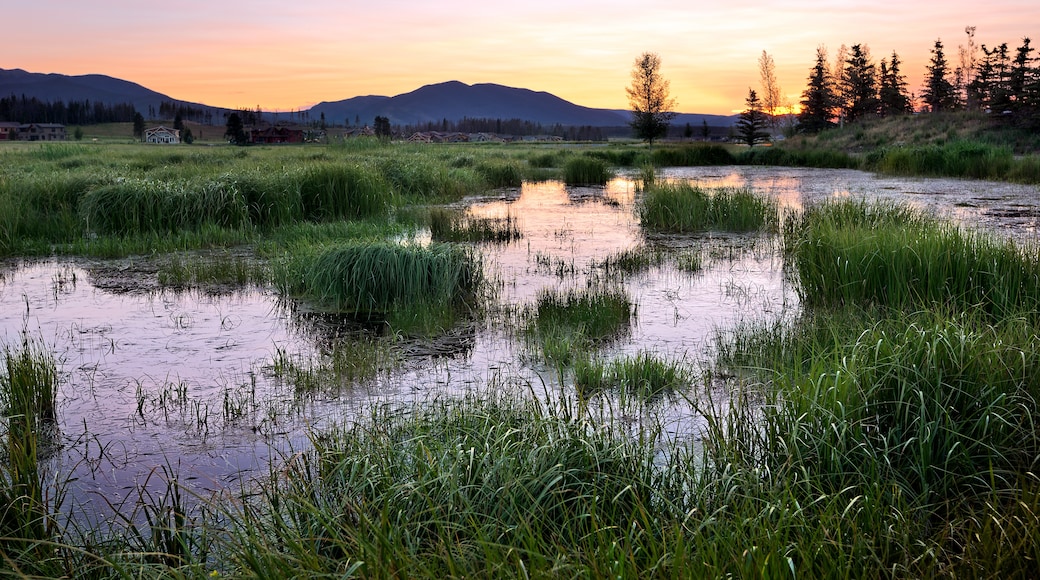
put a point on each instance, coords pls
(585, 170)
(685, 208)
(644, 376)
(366, 279)
(448, 225)
(854, 253)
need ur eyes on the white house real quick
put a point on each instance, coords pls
(162, 134)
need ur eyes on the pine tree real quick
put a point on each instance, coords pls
(138, 125)
(753, 121)
(818, 99)
(1021, 76)
(860, 84)
(939, 93)
(892, 95)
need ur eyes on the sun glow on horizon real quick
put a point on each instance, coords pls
(283, 58)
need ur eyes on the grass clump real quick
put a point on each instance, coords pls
(501, 173)
(329, 191)
(854, 253)
(643, 376)
(692, 155)
(447, 225)
(28, 401)
(137, 206)
(564, 323)
(374, 278)
(685, 208)
(585, 170)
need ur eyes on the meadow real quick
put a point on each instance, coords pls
(881, 424)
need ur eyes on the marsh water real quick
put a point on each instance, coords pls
(158, 383)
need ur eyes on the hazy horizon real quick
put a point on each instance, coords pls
(291, 56)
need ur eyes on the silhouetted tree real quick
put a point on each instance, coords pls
(235, 130)
(967, 70)
(939, 93)
(753, 121)
(138, 125)
(892, 95)
(648, 96)
(1021, 76)
(770, 88)
(818, 99)
(382, 127)
(859, 83)
(178, 122)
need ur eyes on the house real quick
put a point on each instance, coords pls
(9, 131)
(276, 135)
(41, 132)
(163, 135)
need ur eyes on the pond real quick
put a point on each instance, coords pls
(156, 382)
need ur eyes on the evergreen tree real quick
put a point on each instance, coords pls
(859, 84)
(753, 121)
(178, 122)
(818, 99)
(939, 93)
(892, 95)
(648, 96)
(382, 127)
(1021, 76)
(138, 125)
(235, 130)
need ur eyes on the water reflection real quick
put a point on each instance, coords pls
(153, 377)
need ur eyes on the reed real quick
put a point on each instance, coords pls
(585, 170)
(685, 208)
(955, 159)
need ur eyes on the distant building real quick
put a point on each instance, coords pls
(41, 132)
(162, 135)
(276, 135)
(9, 131)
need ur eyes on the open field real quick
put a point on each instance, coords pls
(504, 342)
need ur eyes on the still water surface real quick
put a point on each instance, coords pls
(147, 374)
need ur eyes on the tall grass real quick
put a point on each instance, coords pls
(494, 485)
(685, 208)
(585, 170)
(956, 159)
(28, 400)
(367, 279)
(644, 376)
(330, 191)
(854, 253)
(447, 225)
(692, 155)
(145, 206)
(565, 324)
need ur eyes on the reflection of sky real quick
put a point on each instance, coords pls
(115, 346)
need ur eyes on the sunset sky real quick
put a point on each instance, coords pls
(290, 55)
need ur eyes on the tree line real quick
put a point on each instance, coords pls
(518, 127)
(32, 110)
(992, 80)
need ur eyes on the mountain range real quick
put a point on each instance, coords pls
(451, 100)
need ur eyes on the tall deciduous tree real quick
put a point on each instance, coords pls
(967, 70)
(648, 96)
(939, 93)
(770, 88)
(753, 121)
(818, 99)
